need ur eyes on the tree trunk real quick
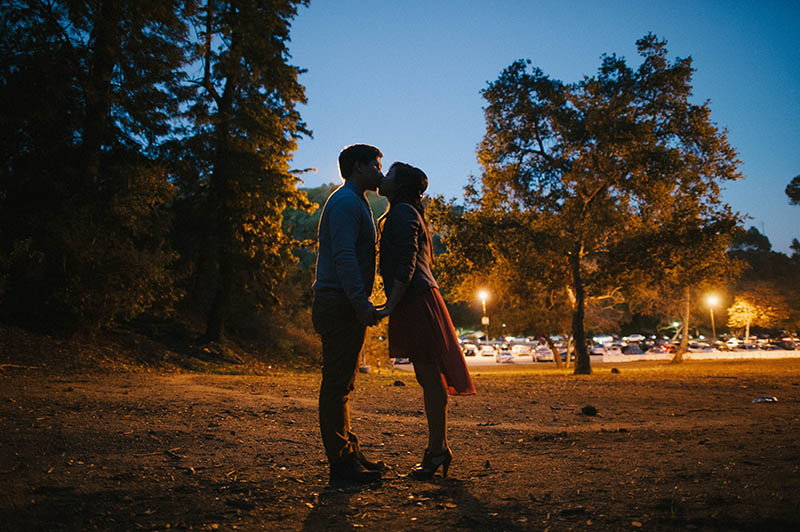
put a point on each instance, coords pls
(215, 325)
(678, 358)
(556, 354)
(220, 235)
(570, 349)
(582, 364)
(105, 53)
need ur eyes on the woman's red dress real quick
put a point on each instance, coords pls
(420, 329)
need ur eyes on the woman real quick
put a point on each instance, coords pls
(420, 327)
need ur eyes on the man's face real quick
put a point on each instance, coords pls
(369, 175)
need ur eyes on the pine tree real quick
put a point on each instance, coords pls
(87, 89)
(235, 180)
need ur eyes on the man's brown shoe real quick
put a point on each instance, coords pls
(370, 466)
(350, 471)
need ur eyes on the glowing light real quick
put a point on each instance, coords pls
(484, 295)
(712, 300)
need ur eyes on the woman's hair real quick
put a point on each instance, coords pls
(411, 185)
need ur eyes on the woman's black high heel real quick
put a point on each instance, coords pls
(432, 462)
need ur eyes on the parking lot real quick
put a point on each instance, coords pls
(542, 357)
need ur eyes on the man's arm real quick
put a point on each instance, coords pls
(344, 225)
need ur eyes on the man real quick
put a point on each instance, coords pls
(341, 310)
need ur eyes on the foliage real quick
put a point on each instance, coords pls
(581, 181)
(147, 148)
(87, 89)
(744, 313)
(769, 279)
(793, 190)
(234, 172)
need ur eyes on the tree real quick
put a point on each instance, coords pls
(793, 190)
(744, 313)
(87, 90)
(769, 278)
(751, 241)
(687, 255)
(234, 177)
(589, 166)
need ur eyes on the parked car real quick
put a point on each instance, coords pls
(470, 350)
(542, 353)
(633, 338)
(603, 339)
(596, 349)
(699, 347)
(487, 350)
(503, 354)
(747, 347)
(564, 356)
(632, 349)
(520, 350)
(788, 345)
(612, 350)
(657, 349)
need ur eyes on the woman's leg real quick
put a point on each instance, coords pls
(435, 399)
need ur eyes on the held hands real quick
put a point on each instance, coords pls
(369, 317)
(383, 311)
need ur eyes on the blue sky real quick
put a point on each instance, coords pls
(406, 76)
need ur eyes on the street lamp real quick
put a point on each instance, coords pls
(484, 295)
(712, 300)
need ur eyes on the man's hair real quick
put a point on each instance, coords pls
(362, 153)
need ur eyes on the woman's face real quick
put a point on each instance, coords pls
(388, 186)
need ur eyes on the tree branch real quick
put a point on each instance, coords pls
(209, 86)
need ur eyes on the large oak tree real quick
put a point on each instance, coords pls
(584, 172)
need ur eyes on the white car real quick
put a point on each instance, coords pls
(603, 339)
(542, 353)
(633, 338)
(597, 349)
(470, 350)
(612, 350)
(487, 351)
(520, 350)
(503, 355)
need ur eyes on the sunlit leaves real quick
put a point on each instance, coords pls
(594, 187)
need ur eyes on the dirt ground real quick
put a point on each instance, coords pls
(671, 448)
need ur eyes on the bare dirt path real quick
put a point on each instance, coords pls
(672, 448)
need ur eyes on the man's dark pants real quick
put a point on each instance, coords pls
(342, 338)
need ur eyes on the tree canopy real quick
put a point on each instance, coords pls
(584, 183)
(147, 147)
(793, 190)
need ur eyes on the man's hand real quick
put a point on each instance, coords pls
(368, 317)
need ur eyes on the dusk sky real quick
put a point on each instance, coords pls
(406, 76)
